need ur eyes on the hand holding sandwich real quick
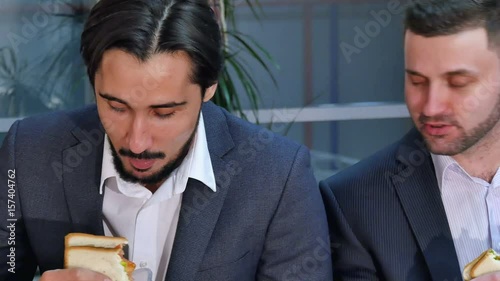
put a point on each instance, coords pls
(74, 274)
(92, 258)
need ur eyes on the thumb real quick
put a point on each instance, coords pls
(74, 274)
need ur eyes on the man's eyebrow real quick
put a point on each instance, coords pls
(155, 106)
(168, 105)
(413, 72)
(449, 73)
(461, 72)
(111, 98)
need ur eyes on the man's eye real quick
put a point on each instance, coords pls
(457, 85)
(164, 116)
(416, 80)
(117, 109)
(459, 82)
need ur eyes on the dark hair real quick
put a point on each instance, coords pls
(446, 17)
(143, 28)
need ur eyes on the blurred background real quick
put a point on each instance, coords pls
(338, 69)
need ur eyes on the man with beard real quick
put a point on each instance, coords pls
(198, 193)
(424, 207)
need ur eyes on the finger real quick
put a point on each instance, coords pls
(76, 274)
(85, 274)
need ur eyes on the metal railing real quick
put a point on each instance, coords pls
(322, 113)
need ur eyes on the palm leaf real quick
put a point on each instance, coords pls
(254, 5)
(255, 55)
(266, 54)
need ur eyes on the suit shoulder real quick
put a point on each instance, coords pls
(272, 143)
(368, 174)
(54, 125)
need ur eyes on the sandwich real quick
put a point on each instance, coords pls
(102, 254)
(487, 262)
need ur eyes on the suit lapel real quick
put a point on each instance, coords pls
(200, 205)
(418, 191)
(199, 213)
(81, 177)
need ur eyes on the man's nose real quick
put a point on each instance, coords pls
(139, 137)
(437, 102)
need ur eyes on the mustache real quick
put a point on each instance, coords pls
(146, 155)
(439, 118)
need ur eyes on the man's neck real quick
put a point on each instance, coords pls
(153, 187)
(483, 159)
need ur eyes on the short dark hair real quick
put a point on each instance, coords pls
(431, 18)
(143, 28)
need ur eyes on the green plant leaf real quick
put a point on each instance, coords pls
(267, 55)
(243, 74)
(256, 56)
(254, 5)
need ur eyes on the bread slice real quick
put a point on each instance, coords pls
(102, 254)
(106, 261)
(487, 262)
(468, 267)
(83, 239)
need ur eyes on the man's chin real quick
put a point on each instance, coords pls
(442, 147)
(140, 174)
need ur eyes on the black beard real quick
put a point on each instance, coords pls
(159, 176)
(469, 138)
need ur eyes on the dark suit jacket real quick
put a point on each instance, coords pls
(387, 220)
(265, 222)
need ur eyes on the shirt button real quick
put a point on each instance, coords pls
(143, 264)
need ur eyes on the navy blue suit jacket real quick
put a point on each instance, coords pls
(387, 220)
(265, 222)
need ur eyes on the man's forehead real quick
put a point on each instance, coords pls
(159, 64)
(472, 38)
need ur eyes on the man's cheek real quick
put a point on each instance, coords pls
(180, 137)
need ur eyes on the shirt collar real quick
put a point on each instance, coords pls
(441, 164)
(444, 162)
(197, 165)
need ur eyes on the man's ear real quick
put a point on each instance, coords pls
(210, 92)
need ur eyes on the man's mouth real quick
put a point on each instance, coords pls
(437, 129)
(141, 165)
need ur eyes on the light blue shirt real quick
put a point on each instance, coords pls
(472, 207)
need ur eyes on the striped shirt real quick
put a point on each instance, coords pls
(472, 207)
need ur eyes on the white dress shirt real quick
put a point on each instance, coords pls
(472, 207)
(147, 220)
